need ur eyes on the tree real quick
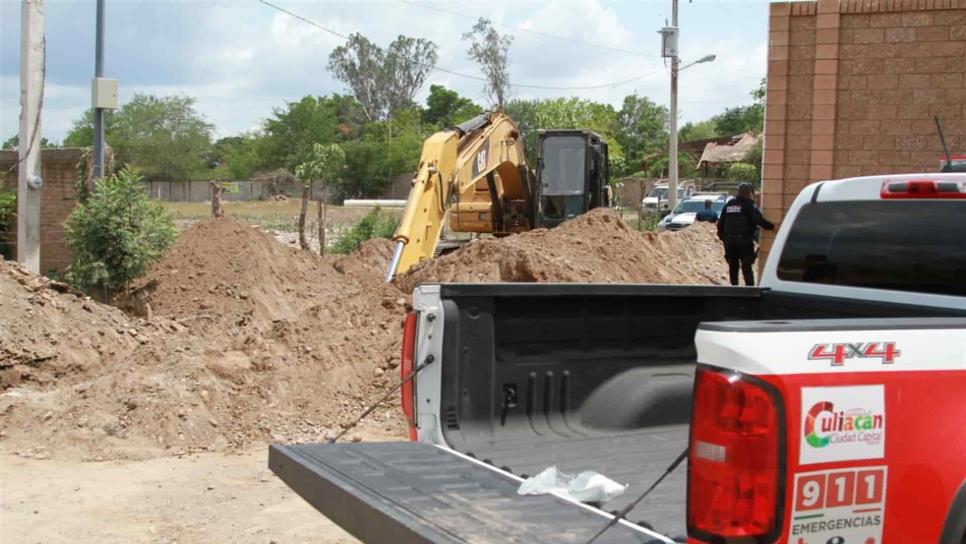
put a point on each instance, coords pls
(741, 119)
(116, 233)
(164, 137)
(325, 165)
(408, 62)
(383, 81)
(490, 50)
(446, 108)
(236, 155)
(372, 161)
(742, 171)
(289, 135)
(642, 129)
(14, 141)
(702, 130)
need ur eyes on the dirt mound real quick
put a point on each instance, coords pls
(248, 341)
(368, 263)
(239, 339)
(51, 332)
(595, 247)
(226, 270)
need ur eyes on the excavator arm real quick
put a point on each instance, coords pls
(476, 171)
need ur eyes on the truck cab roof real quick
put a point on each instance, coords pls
(854, 238)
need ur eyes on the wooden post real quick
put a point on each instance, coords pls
(303, 242)
(321, 213)
(640, 205)
(216, 189)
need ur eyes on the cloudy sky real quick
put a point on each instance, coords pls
(241, 58)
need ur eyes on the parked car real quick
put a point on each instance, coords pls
(657, 200)
(685, 212)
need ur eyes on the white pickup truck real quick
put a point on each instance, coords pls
(827, 406)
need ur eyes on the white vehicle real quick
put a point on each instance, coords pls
(657, 201)
(684, 214)
(824, 406)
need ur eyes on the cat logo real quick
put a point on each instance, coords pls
(479, 165)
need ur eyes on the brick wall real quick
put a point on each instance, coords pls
(59, 171)
(852, 89)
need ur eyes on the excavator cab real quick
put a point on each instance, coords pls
(571, 175)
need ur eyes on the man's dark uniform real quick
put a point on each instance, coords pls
(736, 228)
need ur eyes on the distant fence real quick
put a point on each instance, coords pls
(200, 191)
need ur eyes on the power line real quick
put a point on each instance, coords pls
(472, 77)
(530, 30)
(304, 20)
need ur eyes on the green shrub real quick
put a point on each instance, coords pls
(742, 171)
(373, 225)
(116, 234)
(8, 211)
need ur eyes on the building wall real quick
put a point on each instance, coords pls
(59, 171)
(852, 89)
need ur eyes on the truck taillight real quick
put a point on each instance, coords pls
(405, 369)
(923, 188)
(735, 458)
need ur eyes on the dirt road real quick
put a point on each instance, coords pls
(206, 498)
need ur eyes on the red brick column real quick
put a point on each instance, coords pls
(827, 25)
(776, 102)
(59, 169)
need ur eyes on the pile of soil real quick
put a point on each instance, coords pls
(51, 332)
(242, 340)
(595, 247)
(234, 338)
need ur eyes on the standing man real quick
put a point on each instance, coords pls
(737, 225)
(707, 214)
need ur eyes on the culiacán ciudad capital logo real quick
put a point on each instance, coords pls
(824, 425)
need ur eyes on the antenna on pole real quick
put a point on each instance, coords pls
(948, 167)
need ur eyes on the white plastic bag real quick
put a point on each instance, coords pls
(588, 486)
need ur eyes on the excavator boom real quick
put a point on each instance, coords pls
(476, 171)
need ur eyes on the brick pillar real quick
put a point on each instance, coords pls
(827, 26)
(776, 100)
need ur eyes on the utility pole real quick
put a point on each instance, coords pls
(29, 180)
(673, 145)
(669, 49)
(98, 169)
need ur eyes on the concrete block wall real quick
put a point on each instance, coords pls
(852, 89)
(60, 173)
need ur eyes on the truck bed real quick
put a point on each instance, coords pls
(635, 459)
(584, 377)
(602, 376)
(401, 493)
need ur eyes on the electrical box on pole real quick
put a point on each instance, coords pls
(669, 41)
(104, 93)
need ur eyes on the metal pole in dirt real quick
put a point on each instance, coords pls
(673, 121)
(29, 180)
(98, 169)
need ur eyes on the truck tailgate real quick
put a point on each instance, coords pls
(405, 492)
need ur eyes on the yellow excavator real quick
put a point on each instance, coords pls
(476, 173)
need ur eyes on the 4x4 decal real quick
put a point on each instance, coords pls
(838, 353)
